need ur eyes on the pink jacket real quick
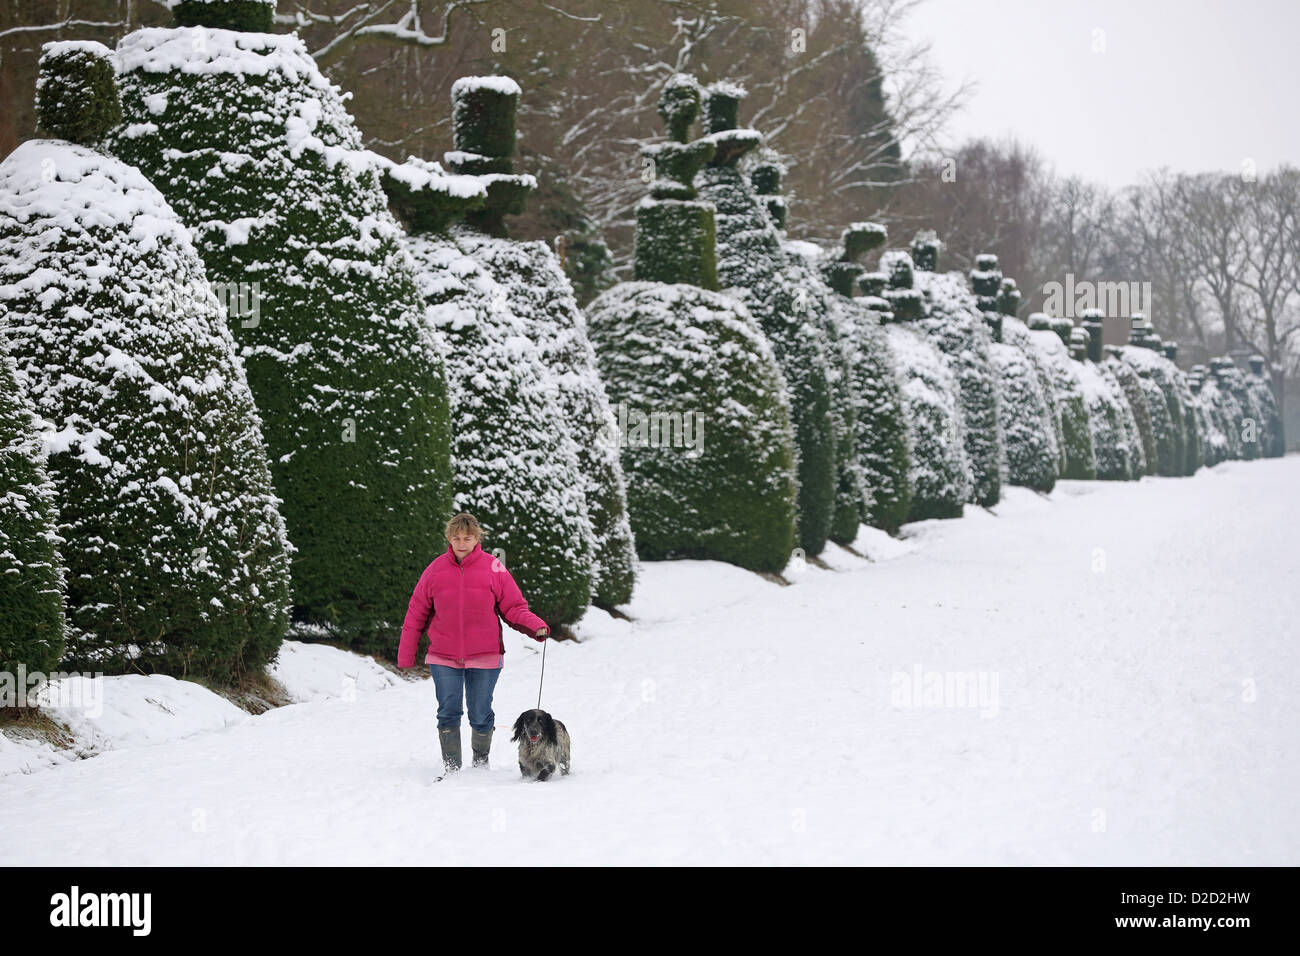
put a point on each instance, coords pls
(459, 604)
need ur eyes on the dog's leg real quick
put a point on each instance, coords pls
(523, 770)
(546, 771)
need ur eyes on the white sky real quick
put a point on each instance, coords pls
(1189, 84)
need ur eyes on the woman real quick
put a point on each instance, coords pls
(458, 599)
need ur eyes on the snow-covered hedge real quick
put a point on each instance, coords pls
(32, 586)
(852, 494)
(1193, 437)
(252, 16)
(1015, 333)
(752, 265)
(1029, 435)
(884, 445)
(1115, 439)
(258, 154)
(1080, 461)
(1127, 379)
(1213, 416)
(956, 325)
(1250, 424)
(540, 294)
(514, 458)
(1274, 438)
(823, 305)
(675, 232)
(691, 366)
(940, 476)
(1168, 427)
(176, 552)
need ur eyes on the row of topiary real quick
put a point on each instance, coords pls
(909, 401)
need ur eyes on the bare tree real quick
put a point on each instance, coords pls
(1270, 307)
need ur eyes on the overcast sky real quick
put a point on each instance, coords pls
(1189, 84)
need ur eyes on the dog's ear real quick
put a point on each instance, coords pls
(519, 726)
(548, 725)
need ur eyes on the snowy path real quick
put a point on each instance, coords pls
(741, 722)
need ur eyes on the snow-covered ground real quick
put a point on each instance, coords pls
(1131, 649)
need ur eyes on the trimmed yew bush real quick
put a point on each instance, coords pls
(537, 290)
(752, 265)
(175, 550)
(256, 151)
(694, 360)
(1029, 439)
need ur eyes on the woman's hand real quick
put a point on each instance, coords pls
(542, 634)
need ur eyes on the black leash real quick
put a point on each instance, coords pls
(543, 677)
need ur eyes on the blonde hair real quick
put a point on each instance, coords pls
(464, 523)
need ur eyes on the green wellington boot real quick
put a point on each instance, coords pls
(481, 744)
(449, 739)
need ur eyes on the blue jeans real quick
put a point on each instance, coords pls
(475, 685)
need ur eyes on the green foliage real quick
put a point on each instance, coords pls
(33, 626)
(1008, 297)
(956, 325)
(423, 208)
(722, 107)
(1145, 463)
(873, 284)
(674, 351)
(940, 475)
(1274, 440)
(679, 105)
(766, 178)
(1080, 461)
(76, 92)
(1168, 425)
(676, 165)
(1029, 443)
(852, 494)
(840, 275)
(675, 243)
(483, 120)
(925, 252)
(861, 238)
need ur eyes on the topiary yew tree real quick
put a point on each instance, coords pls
(539, 293)
(752, 265)
(883, 442)
(176, 552)
(514, 460)
(955, 323)
(256, 151)
(706, 434)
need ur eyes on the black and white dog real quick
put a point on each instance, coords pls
(543, 744)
